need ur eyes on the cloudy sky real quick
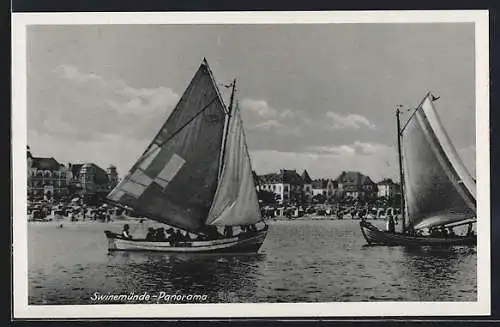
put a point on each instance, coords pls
(315, 97)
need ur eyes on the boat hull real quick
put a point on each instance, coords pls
(375, 236)
(242, 244)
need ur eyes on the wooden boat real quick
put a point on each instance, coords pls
(375, 236)
(437, 189)
(195, 175)
(241, 243)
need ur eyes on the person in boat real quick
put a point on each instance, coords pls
(186, 237)
(150, 236)
(451, 232)
(201, 237)
(160, 234)
(168, 233)
(249, 229)
(391, 228)
(170, 236)
(126, 232)
(470, 232)
(211, 232)
(178, 236)
(228, 231)
(443, 232)
(174, 237)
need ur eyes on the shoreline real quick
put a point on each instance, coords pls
(137, 220)
(84, 222)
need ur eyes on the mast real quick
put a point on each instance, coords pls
(229, 113)
(401, 173)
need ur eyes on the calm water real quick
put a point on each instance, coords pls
(301, 261)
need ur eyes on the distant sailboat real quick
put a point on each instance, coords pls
(438, 191)
(195, 175)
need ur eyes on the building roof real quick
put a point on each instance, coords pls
(100, 175)
(320, 183)
(75, 169)
(46, 164)
(386, 181)
(284, 176)
(352, 180)
(291, 177)
(306, 178)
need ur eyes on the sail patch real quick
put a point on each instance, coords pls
(170, 170)
(137, 183)
(153, 152)
(117, 195)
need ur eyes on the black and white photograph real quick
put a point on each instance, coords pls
(281, 164)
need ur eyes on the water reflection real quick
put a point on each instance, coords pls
(433, 272)
(302, 261)
(218, 276)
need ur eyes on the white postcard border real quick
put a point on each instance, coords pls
(334, 309)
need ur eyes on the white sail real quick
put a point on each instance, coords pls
(235, 200)
(438, 188)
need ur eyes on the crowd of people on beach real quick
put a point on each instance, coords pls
(335, 211)
(43, 210)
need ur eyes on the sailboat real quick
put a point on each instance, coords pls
(437, 190)
(195, 176)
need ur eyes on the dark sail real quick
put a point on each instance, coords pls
(438, 188)
(175, 180)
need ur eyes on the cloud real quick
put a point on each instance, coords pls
(365, 148)
(275, 127)
(259, 107)
(329, 161)
(349, 121)
(359, 148)
(260, 118)
(77, 105)
(106, 150)
(73, 74)
(308, 120)
(269, 124)
(341, 150)
(287, 113)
